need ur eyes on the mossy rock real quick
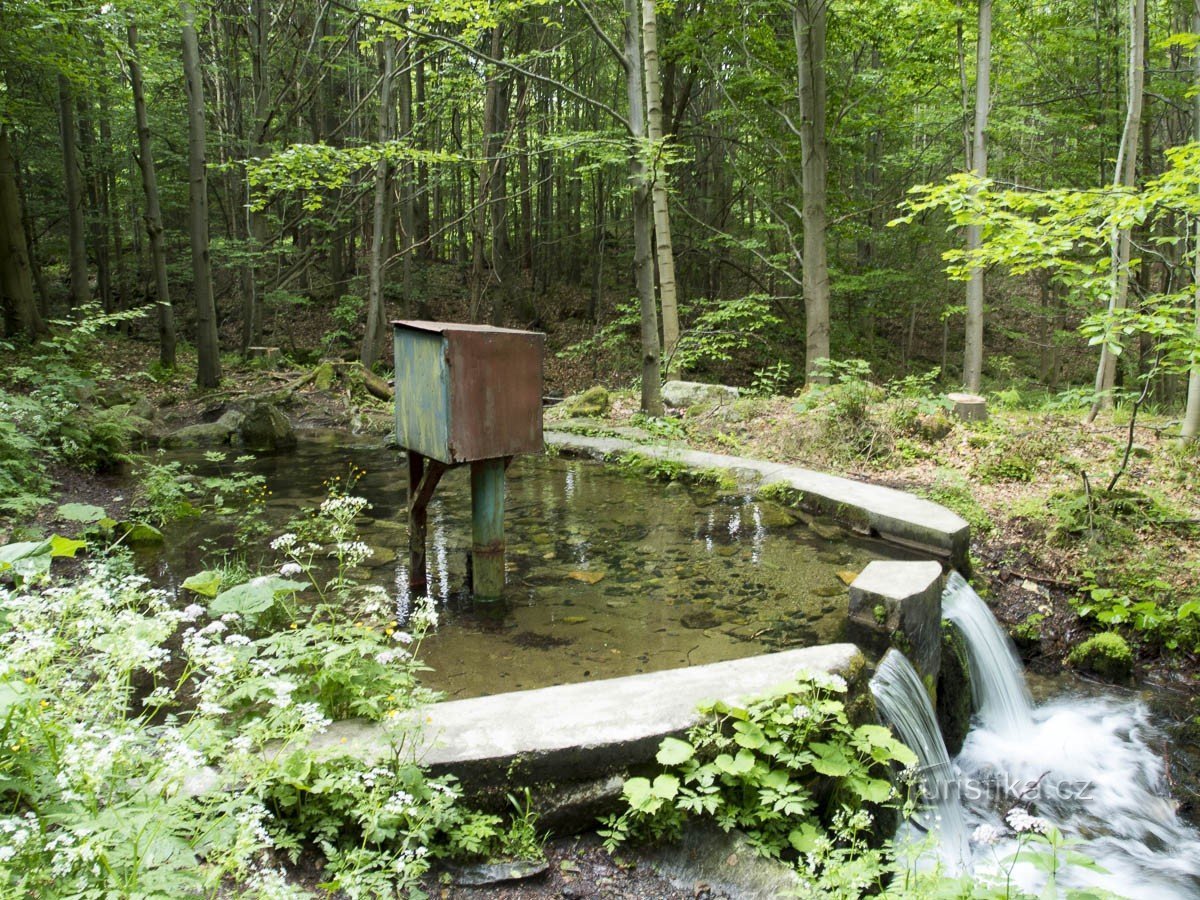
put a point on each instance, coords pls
(1028, 634)
(955, 700)
(1106, 654)
(593, 403)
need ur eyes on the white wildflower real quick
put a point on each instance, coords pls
(287, 570)
(284, 542)
(191, 612)
(1020, 821)
(986, 834)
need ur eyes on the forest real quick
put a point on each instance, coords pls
(835, 213)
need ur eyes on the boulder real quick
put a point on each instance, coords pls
(259, 425)
(690, 393)
(204, 434)
(592, 403)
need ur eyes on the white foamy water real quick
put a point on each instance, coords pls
(1086, 765)
(902, 702)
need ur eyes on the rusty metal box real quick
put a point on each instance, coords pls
(468, 392)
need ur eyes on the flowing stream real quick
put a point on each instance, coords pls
(1085, 765)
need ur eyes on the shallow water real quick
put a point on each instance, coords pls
(608, 574)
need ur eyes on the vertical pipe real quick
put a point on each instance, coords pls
(487, 528)
(418, 578)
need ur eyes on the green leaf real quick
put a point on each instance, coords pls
(81, 512)
(806, 838)
(749, 735)
(65, 548)
(673, 752)
(254, 596)
(665, 787)
(831, 759)
(26, 559)
(206, 583)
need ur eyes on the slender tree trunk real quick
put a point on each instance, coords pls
(662, 217)
(977, 164)
(1191, 416)
(80, 291)
(376, 313)
(153, 218)
(208, 362)
(97, 222)
(16, 273)
(408, 237)
(808, 25)
(1124, 177)
(257, 224)
(643, 266)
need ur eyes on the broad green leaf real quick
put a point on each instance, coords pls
(26, 559)
(830, 759)
(254, 596)
(81, 512)
(806, 839)
(748, 735)
(206, 583)
(672, 752)
(65, 548)
(665, 787)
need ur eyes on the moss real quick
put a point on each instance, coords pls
(955, 701)
(880, 613)
(592, 403)
(1107, 655)
(782, 493)
(1028, 634)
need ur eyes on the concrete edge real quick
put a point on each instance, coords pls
(893, 515)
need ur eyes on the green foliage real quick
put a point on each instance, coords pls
(783, 770)
(953, 490)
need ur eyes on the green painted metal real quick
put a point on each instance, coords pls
(422, 394)
(487, 529)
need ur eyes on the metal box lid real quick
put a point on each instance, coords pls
(468, 392)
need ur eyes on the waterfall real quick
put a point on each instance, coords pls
(997, 679)
(1085, 764)
(902, 702)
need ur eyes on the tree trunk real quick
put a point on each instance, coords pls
(80, 292)
(662, 217)
(643, 267)
(1124, 177)
(376, 313)
(977, 164)
(96, 220)
(808, 25)
(257, 224)
(16, 273)
(1191, 416)
(208, 355)
(154, 226)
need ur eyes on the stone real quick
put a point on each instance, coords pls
(955, 700)
(682, 394)
(1106, 654)
(595, 402)
(262, 426)
(204, 434)
(481, 874)
(775, 516)
(380, 556)
(969, 407)
(725, 863)
(900, 604)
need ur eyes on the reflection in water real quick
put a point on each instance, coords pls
(606, 574)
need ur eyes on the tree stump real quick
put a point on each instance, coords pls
(969, 407)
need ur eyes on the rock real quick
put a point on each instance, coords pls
(955, 701)
(969, 407)
(699, 619)
(933, 426)
(592, 403)
(827, 530)
(481, 874)
(262, 426)
(1027, 635)
(205, 434)
(380, 556)
(1107, 655)
(690, 393)
(143, 408)
(704, 857)
(776, 516)
(586, 577)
